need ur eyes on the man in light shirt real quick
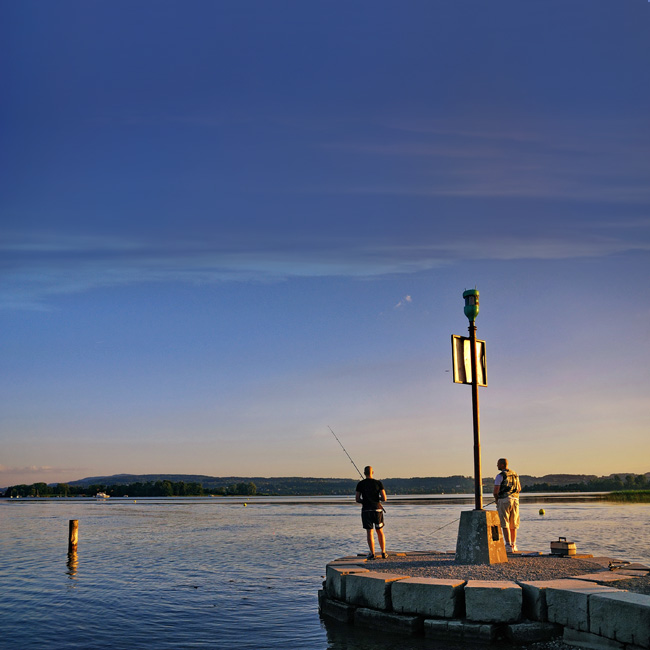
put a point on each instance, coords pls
(506, 494)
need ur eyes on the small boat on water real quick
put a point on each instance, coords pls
(102, 495)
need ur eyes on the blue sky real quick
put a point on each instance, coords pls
(226, 226)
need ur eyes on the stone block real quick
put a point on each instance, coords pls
(609, 576)
(460, 630)
(602, 560)
(535, 605)
(349, 559)
(418, 553)
(479, 538)
(435, 627)
(433, 597)
(623, 616)
(334, 609)
(388, 622)
(567, 602)
(498, 601)
(534, 600)
(532, 632)
(335, 575)
(591, 641)
(370, 589)
(632, 573)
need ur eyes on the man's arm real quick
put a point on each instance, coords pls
(382, 495)
(497, 486)
(358, 498)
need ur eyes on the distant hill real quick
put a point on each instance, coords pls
(560, 479)
(285, 486)
(288, 486)
(121, 479)
(291, 485)
(552, 479)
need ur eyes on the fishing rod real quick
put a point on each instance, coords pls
(350, 457)
(346, 453)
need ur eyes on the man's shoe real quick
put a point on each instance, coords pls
(508, 548)
(384, 555)
(370, 556)
(515, 549)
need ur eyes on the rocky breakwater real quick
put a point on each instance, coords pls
(590, 602)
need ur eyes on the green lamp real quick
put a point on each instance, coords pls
(471, 303)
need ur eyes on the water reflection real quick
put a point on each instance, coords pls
(341, 636)
(72, 564)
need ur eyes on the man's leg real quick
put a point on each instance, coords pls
(503, 521)
(371, 541)
(514, 522)
(382, 539)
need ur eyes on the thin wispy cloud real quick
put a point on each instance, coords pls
(640, 223)
(559, 133)
(32, 469)
(33, 276)
(52, 242)
(406, 300)
(508, 188)
(540, 160)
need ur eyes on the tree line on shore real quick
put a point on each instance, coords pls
(204, 486)
(163, 488)
(160, 486)
(630, 496)
(602, 484)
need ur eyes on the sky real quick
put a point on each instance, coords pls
(228, 225)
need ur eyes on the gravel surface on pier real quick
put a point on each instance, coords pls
(518, 567)
(541, 567)
(638, 585)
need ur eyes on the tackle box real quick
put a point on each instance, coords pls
(562, 547)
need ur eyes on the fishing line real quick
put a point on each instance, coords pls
(457, 519)
(350, 457)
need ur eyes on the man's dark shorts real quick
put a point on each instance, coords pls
(370, 518)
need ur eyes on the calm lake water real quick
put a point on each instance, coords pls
(213, 573)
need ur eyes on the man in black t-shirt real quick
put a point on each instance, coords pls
(370, 494)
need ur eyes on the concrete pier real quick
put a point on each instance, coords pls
(586, 611)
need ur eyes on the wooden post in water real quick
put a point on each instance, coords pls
(73, 536)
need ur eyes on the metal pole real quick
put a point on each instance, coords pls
(478, 487)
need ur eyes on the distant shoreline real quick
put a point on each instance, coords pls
(325, 499)
(185, 485)
(629, 496)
